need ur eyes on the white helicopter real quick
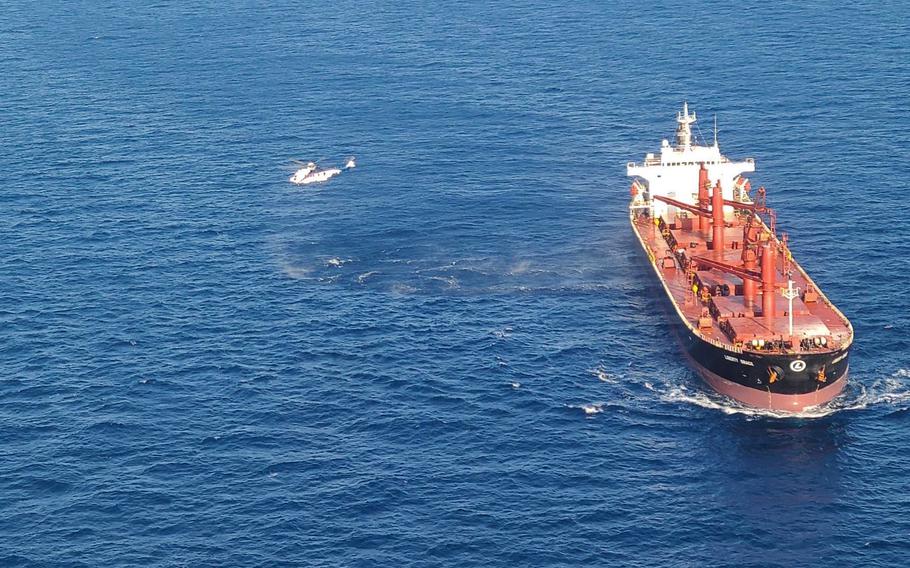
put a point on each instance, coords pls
(309, 173)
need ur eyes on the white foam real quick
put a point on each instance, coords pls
(403, 289)
(589, 409)
(451, 281)
(295, 272)
(362, 278)
(603, 376)
(520, 267)
(336, 262)
(503, 333)
(891, 391)
(713, 401)
(592, 408)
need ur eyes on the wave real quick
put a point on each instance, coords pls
(294, 272)
(401, 288)
(603, 376)
(363, 277)
(519, 268)
(589, 409)
(336, 262)
(435, 275)
(502, 334)
(891, 391)
(451, 283)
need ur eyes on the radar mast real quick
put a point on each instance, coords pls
(683, 131)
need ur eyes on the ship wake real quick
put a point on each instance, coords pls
(891, 393)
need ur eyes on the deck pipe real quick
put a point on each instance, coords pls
(703, 185)
(717, 211)
(750, 262)
(768, 269)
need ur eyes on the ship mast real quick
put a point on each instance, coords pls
(715, 131)
(790, 294)
(683, 130)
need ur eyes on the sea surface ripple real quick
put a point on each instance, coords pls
(446, 356)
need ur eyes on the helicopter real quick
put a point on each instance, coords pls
(310, 173)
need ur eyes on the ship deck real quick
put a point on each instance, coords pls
(730, 322)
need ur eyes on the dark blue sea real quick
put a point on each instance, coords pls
(447, 356)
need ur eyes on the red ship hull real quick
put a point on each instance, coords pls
(770, 400)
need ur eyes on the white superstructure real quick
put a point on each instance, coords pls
(674, 173)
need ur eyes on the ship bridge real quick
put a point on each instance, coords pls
(674, 173)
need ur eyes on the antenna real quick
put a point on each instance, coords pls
(683, 131)
(715, 130)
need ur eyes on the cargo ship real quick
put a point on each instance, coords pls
(750, 320)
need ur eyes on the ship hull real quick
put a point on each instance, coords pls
(747, 377)
(770, 400)
(775, 381)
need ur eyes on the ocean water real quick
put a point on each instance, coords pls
(446, 356)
